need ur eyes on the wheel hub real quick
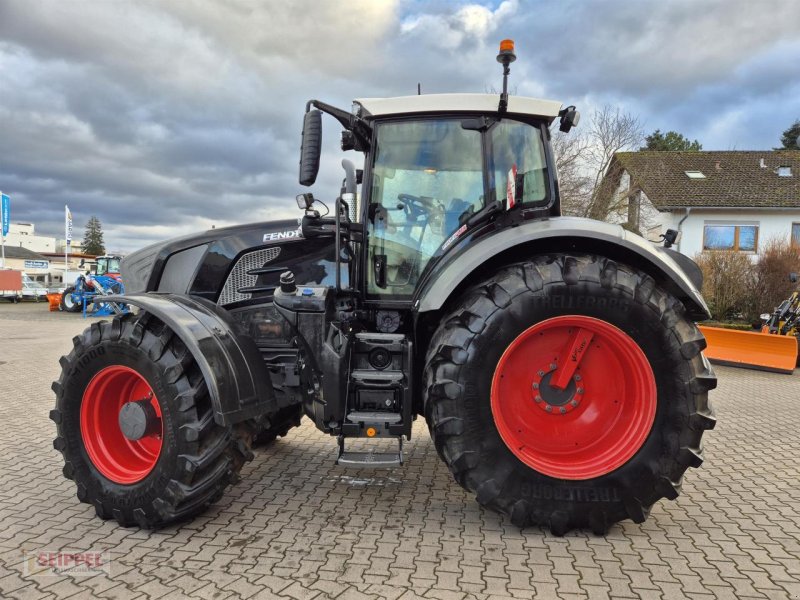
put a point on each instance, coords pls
(553, 400)
(138, 419)
(586, 410)
(121, 424)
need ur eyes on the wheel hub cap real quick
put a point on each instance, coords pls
(138, 419)
(573, 397)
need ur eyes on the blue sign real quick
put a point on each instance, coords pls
(37, 264)
(6, 212)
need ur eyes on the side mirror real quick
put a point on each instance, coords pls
(310, 147)
(570, 117)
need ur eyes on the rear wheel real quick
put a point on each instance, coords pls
(136, 428)
(68, 303)
(569, 392)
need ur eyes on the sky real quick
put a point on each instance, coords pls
(164, 118)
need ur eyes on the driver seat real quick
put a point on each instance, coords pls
(455, 209)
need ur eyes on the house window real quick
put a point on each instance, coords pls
(784, 171)
(743, 238)
(796, 235)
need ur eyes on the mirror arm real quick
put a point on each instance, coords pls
(361, 130)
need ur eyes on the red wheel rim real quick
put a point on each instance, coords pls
(588, 426)
(118, 458)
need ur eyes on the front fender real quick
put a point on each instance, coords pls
(230, 362)
(559, 234)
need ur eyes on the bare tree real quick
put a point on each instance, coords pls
(575, 186)
(612, 131)
(588, 188)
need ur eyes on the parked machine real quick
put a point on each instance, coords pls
(101, 279)
(555, 360)
(785, 319)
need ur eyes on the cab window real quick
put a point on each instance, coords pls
(427, 178)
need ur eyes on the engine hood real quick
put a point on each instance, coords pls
(142, 270)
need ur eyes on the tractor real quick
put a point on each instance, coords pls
(102, 278)
(555, 359)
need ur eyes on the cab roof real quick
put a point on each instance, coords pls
(467, 103)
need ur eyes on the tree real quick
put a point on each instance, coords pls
(93, 238)
(670, 141)
(790, 139)
(575, 186)
(584, 160)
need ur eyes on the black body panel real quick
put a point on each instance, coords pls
(312, 260)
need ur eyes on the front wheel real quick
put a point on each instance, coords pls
(568, 392)
(68, 303)
(136, 426)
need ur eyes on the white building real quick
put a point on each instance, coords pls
(733, 200)
(23, 235)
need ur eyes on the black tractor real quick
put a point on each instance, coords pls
(556, 360)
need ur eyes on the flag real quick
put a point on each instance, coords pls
(6, 212)
(68, 225)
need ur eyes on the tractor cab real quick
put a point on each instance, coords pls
(108, 266)
(437, 168)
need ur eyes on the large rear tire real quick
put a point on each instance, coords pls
(68, 304)
(606, 443)
(181, 461)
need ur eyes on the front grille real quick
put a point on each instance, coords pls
(239, 277)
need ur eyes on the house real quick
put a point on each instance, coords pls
(733, 200)
(32, 263)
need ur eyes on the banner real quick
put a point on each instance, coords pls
(68, 225)
(5, 210)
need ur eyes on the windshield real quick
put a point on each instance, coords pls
(428, 179)
(107, 265)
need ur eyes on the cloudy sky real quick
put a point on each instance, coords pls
(165, 117)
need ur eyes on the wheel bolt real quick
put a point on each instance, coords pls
(548, 408)
(563, 410)
(538, 399)
(553, 366)
(579, 390)
(535, 385)
(577, 377)
(541, 373)
(574, 403)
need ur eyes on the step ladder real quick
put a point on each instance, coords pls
(378, 398)
(370, 458)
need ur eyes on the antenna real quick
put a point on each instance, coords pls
(505, 58)
(419, 89)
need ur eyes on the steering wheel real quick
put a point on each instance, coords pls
(415, 206)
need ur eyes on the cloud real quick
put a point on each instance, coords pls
(165, 117)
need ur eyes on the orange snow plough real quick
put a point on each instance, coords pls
(750, 349)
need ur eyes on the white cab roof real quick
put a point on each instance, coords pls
(482, 103)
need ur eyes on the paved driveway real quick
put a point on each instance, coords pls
(297, 526)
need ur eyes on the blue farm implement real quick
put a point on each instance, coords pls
(87, 296)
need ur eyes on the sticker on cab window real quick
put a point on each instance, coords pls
(511, 188)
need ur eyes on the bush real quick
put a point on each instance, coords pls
(738, 286)
(776, 261)
(728, 283)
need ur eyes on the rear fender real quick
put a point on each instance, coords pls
(230, 362)
(473, 257)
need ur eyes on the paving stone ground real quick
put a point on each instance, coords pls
(297, 526)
